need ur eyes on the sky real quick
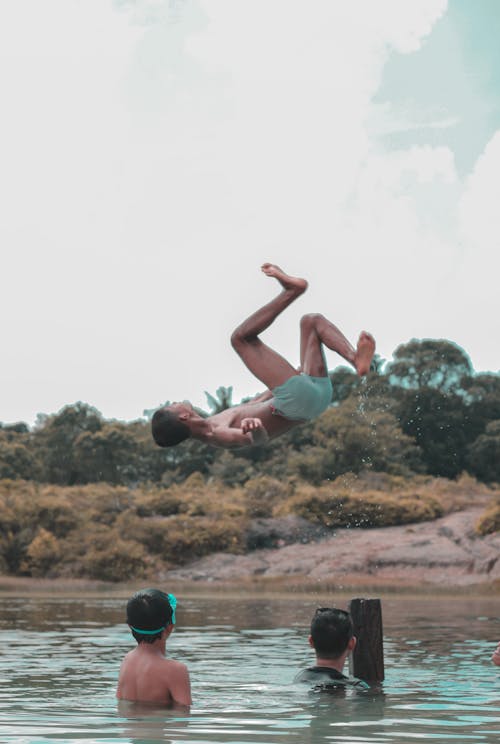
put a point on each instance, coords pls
(154, 153)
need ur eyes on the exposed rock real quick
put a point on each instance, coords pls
(272, 532)
(445, 551)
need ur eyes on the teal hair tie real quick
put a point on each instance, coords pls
(148, 632)
(173, 604)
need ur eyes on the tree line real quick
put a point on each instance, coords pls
(426, 411)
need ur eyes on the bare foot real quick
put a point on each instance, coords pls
(286, 281)
(364, 353)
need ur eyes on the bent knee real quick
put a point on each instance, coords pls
(239, 338)
(311, 320)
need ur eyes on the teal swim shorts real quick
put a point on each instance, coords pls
(302, 397)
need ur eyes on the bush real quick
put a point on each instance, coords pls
(263, 494)
(161, 503)
(121, 560)
(53, 512)
(489, 522)
(115, 533)
(193, 537)
(231, 469)
(334, 509)
(43, 553)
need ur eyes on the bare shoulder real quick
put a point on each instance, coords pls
(178, 682)
(175, 672)
(126, 659)
(175, 666)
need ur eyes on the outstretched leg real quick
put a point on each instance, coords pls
(267, 365)
(316, 331)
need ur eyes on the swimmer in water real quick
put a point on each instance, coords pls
(146, 675)
(292, 396)
(332, 639)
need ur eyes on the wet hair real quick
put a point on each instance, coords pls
(166, 428)
(148, 609)
(331, 631)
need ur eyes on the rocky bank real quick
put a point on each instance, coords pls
(445, 552)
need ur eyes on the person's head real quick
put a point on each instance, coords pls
(169, 424)
(331, 633)
(150, 614)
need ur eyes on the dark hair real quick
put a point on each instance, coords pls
(148, 609)
(331, 631)
(166, 428)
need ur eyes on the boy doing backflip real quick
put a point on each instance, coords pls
(292, 396)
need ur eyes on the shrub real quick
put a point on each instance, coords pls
(116, 533)
(42, 555)
(120, 560)
(186, 538)
(209, 499)
(489, 521)
(231, 469)
(262, 495)
(161, 503)
(53, 512)
(334, 509)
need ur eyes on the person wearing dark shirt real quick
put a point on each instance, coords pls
(332, 638)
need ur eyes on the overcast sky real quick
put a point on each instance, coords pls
(153, 153)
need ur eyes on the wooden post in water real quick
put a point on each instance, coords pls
(367, 659)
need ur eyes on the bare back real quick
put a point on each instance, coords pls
(147, 676)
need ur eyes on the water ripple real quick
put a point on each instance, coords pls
(60, 660)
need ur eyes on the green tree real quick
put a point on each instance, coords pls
(482, 395)
(17, 459)
(344, 382)
(483, 455)
(350, 439)
(437, 421)
(109, 454)
(55, 437)
(429, 363)
(150, 461)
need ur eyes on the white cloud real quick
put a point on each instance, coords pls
(477, 274)
(155, 153)
(479, 212)
(410, 22)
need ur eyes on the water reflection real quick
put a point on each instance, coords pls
(144, 723)
(60, 659)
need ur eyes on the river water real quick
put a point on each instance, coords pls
(60, 658)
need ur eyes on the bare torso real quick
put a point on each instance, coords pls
(273, 423)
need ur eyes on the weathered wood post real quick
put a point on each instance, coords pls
(367, 659)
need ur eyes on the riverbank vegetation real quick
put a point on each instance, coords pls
(116, 533)
(84, 496)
